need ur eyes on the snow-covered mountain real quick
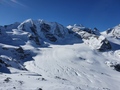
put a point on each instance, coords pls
(41, 55)
(91, 37)
(39, 29)
(114, 32)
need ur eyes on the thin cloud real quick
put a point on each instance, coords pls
(17, 2)
(13, 3)
(5, 2)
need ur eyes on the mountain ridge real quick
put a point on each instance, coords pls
(52, 31)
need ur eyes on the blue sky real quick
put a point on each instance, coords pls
(102, 14)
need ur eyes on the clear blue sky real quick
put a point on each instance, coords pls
(102, 14)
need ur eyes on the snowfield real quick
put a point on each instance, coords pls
(64, 67)
(60, 61)
(76, 67)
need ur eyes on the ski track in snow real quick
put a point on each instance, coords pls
(64, 67)
(61, 64)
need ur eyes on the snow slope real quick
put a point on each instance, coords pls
(64, 63)
(113, 32)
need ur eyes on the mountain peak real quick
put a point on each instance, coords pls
(78, 25)
(114, 32)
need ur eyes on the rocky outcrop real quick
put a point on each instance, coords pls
(91, 37)
(98, 42)
(13, 57)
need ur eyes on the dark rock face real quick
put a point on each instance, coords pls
(54, 31)
(51, 37)
(105, 45)
(58, 32)
(20, 50)
(33, 30)
(4, 63)
(20, 53)
(4, 66)
(109, 30)
(96, 31)
(35, 39)
(117, 67)
(23, 27)
(45, 27)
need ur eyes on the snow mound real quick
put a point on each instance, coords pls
(117, 53)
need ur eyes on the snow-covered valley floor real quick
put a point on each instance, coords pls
(64, 67)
